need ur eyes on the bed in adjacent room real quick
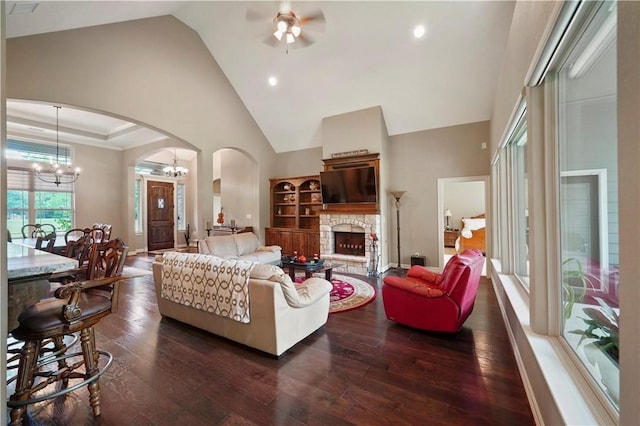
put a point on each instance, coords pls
(473, 234)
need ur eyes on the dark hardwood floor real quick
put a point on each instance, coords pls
(358, 369)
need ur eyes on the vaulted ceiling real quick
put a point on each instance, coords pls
(364, 55)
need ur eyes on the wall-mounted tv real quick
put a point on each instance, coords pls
(349, 186)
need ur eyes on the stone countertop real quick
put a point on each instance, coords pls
(23, 262)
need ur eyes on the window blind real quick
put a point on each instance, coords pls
(25, 180)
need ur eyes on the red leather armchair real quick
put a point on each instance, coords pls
(431, 301)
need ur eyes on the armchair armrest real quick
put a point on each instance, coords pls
(72, 292)
(311, 290)
(415, 286)
(425, 274)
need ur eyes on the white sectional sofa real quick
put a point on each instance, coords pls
(244, 246)
(281, 313)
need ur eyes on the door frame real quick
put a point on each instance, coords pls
(440, 214)
(144, 211)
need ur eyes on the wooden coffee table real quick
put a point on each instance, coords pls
(309, 269)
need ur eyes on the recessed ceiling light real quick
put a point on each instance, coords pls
(419, 31)
(273, 81)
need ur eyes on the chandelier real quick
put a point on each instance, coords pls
(56, 173)
(288, 25)
(175, 171)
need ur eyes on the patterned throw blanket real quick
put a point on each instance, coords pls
(207, 283)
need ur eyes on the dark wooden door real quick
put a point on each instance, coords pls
(159, 215)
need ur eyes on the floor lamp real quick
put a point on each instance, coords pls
(397, 195)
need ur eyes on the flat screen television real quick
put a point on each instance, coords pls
(349, 186)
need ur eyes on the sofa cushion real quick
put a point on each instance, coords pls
(223, 246)
(246, 243)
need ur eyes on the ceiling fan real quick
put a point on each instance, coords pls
(288, 29)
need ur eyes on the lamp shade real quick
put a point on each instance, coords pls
(447, 213)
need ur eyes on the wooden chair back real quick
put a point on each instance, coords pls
(79, 249)
(107, 260)
(101, 232)
(76, 233)
(34, 230)
(48, 240)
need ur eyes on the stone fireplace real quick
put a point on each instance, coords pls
(349, 243)
(345, 238)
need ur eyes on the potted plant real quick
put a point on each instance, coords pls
(602, 350)
(602, 327)
(574, 284)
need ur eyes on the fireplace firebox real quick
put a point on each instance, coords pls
(349, 243)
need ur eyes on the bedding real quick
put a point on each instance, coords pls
(472, 235)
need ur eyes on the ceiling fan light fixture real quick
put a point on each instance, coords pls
(282, 26)
(296, 30)
(290, 38)
(278, 35)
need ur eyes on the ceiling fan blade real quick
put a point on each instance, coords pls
(316, 17)
(271, 41)
(314, 22)
(304, 41)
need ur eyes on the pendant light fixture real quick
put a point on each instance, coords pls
(175, 171)
(56, 172)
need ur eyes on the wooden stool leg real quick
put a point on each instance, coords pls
(24, 379)
(91, 365)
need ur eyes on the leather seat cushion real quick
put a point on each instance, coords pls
(45, 319)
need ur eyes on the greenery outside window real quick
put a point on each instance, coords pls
(30, 200)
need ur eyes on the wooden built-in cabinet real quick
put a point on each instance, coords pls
(296, 203)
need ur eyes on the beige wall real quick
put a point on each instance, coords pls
(298, 163)
(237, 183)
(353, 131)
(416, 161)
(98, 187)
(530, 21)
(166, 80)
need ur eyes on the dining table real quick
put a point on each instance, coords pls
(59, 245)
(28, 270)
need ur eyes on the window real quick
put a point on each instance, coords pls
(30, 200)
(517, 147)
(588, 198)
(180, 206)
(137, 209)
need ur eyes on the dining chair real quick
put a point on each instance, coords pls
(75, 233)
(79, 249)
(77, 307)
(48, 240)
(37, 230)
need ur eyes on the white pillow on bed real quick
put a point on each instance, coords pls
(473, 224)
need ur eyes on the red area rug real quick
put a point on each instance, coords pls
(348, 293)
